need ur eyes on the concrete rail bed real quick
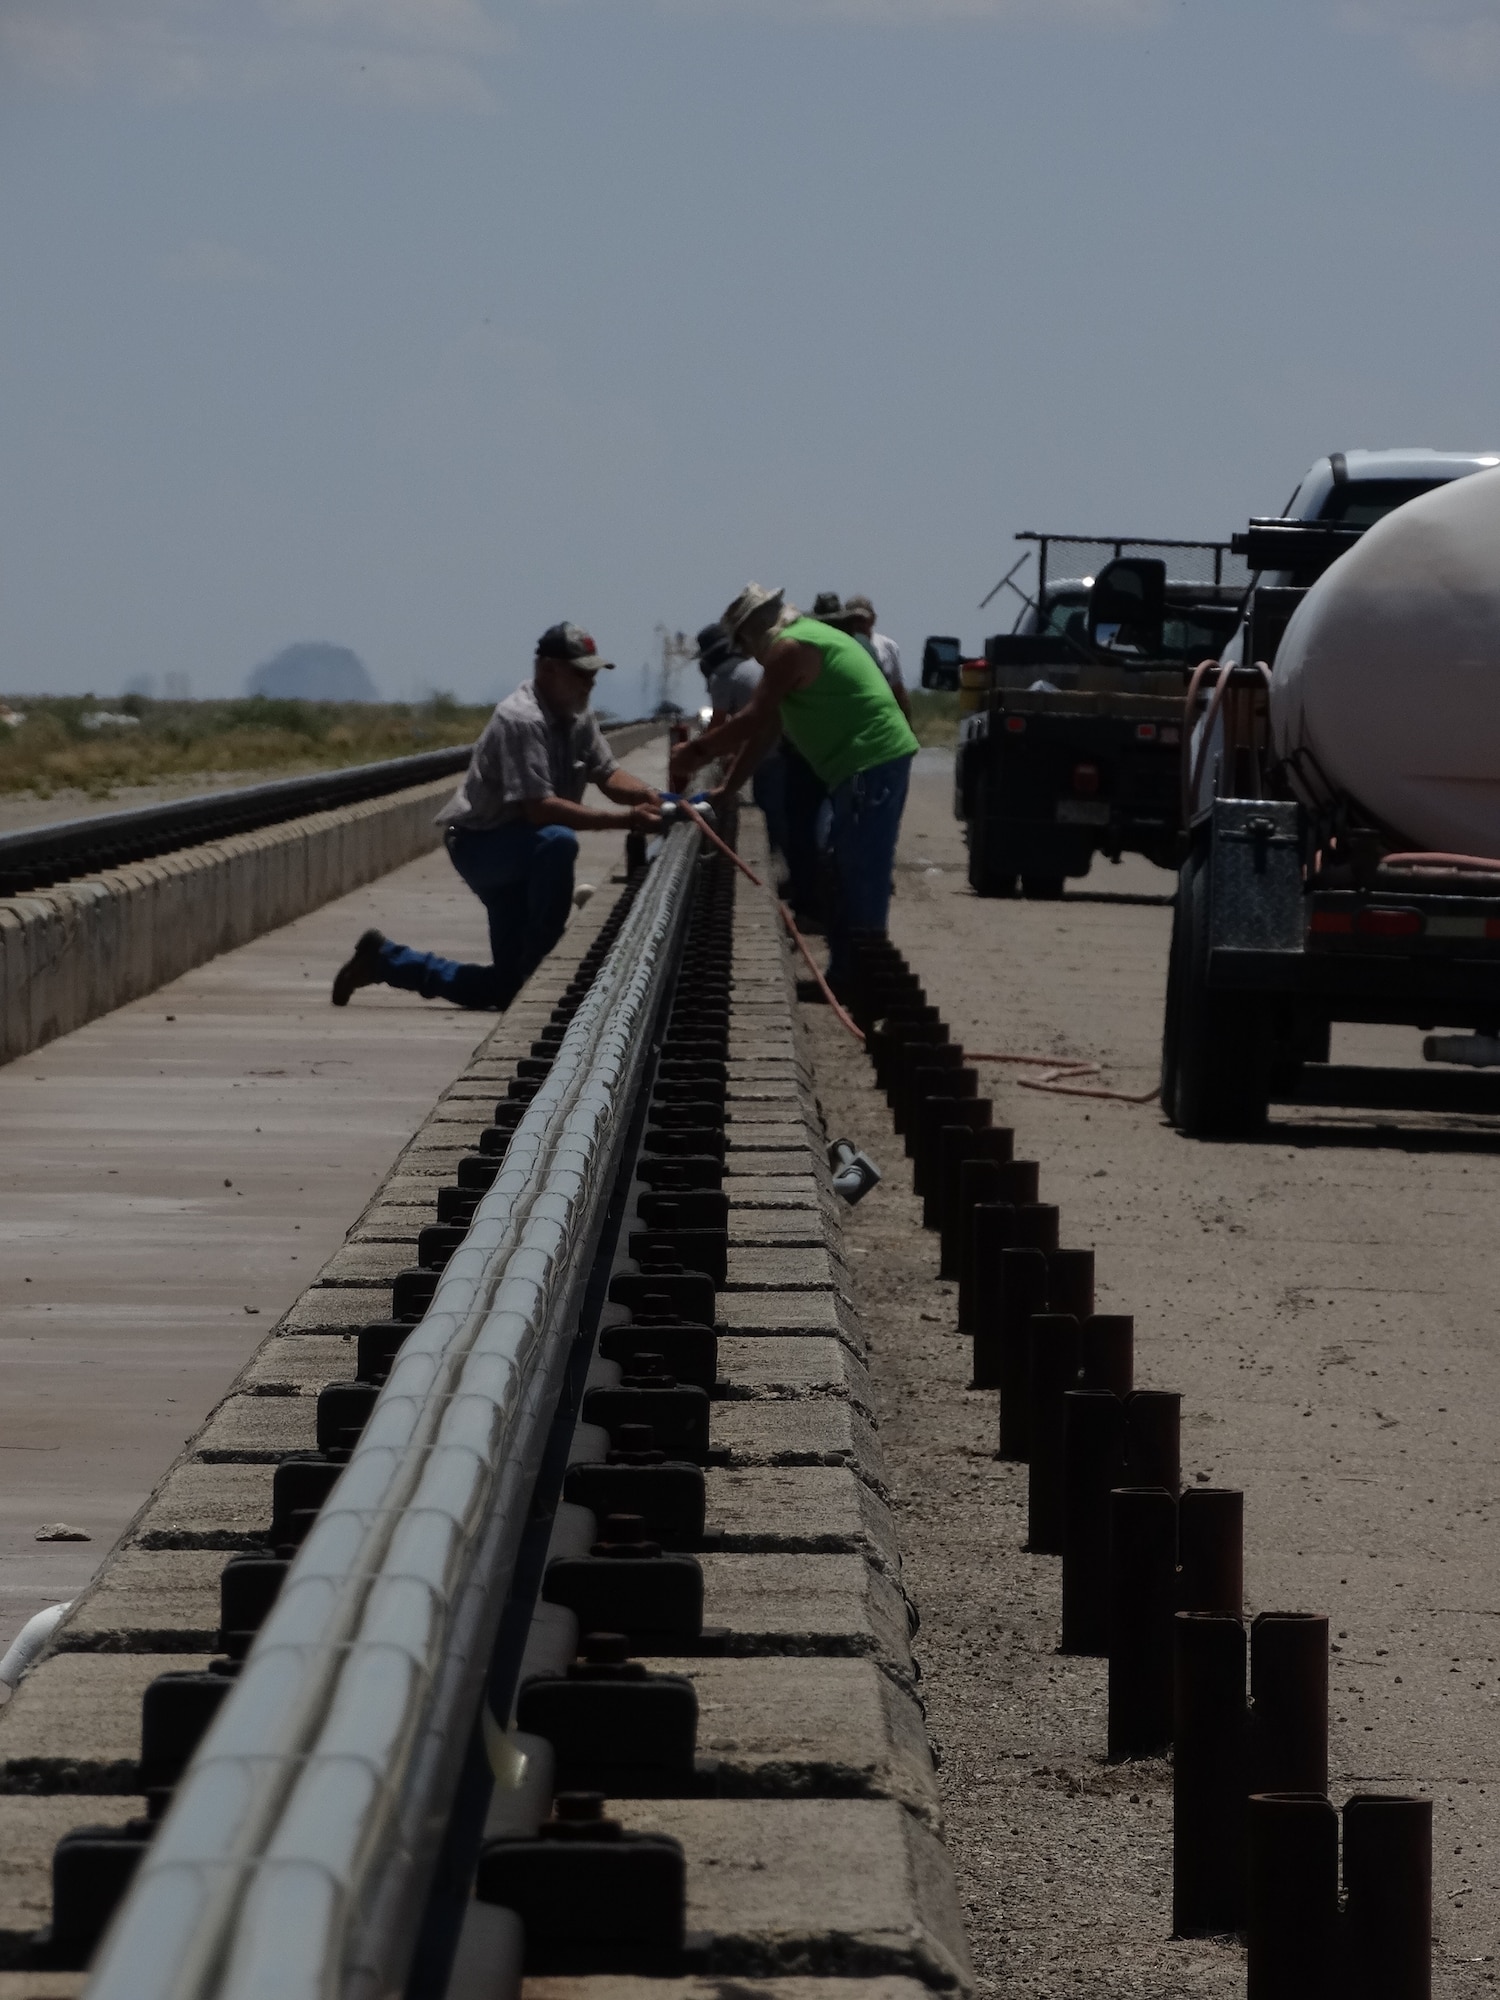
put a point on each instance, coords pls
(817, 1862)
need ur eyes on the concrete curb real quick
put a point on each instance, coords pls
(74, 952)
(79, 950)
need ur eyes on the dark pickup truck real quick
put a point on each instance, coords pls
(1075, 750)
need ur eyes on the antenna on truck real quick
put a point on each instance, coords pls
(1025, 558)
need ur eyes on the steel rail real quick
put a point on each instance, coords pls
(295, 1860)
(35, 857)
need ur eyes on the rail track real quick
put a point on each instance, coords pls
(597, 1511)
(39, 857)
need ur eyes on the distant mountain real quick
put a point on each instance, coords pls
(314, 671)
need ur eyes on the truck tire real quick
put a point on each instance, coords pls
(1171, 1021)
(1042, 888)
(1222, 1065)
(985, 879)
(988, 875)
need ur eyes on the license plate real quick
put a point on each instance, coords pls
(1083, 812)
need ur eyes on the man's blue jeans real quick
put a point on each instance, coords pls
(867, 812)
(803, 796)
(523, 875)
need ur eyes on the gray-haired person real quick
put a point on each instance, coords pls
(732, 679)
(512, 831)
(859, 618)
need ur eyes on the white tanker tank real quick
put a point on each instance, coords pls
(1388, 676)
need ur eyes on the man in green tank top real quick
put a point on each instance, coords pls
(824, 691)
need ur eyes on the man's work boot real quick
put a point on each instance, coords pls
(363, 969)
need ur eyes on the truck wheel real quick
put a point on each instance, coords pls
(1224, 1042)
(1042, 888)
(989, 874)
(1171, 1023)
(985, 878)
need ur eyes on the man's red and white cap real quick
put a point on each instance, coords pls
(570, 643)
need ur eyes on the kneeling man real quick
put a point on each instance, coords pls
(512, 831)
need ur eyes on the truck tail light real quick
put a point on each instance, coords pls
(1390, 923)
(1145, 732)
(1085, 780)
(1331, 923)
(1015, 725)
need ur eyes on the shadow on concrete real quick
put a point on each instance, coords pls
(1383, 1138)
(1351, 1087)
(1358, 1086)
(1119, 896)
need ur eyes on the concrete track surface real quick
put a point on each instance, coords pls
(1324, 1299)
(808, 1822)
(173, 1176)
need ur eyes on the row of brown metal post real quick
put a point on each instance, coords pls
(1152, 1575)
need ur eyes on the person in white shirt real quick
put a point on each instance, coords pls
(859, 618)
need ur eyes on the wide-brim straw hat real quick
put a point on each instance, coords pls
(754, 597)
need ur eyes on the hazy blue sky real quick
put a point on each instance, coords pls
(415, 324)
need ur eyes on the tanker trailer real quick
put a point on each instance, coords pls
(1343, 806)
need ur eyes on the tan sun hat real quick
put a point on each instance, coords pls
(754, 597)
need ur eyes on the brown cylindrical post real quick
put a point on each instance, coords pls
(904, 1034)
(1106, 1353)
(1093, 1433)
(1292, 1897)
(1052, 1343)
(978, 1187)
(956, 1143)
(968, 1108)
(1142, 1593)
(1070, 1284)
(1210, 1550)
(917, 1056)
(1208, 1775)
(992, 1233)
(1289, 1690)
(1002, 1359)
(1388, 1880)
(993, 1146)
(932, 1084)
(1019, 1184)
(904, 1024)
(1038, 1224)
(1153, 1421)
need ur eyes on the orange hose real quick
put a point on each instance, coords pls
(1418, 860)
(786, 917)
(1062, 1068)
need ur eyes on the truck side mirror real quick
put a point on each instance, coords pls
(1127, 604)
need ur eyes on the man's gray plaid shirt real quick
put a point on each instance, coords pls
(526, 754)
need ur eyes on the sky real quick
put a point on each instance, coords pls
(415, 325)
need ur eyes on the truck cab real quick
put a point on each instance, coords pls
(942, 661)
(1345, 492)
